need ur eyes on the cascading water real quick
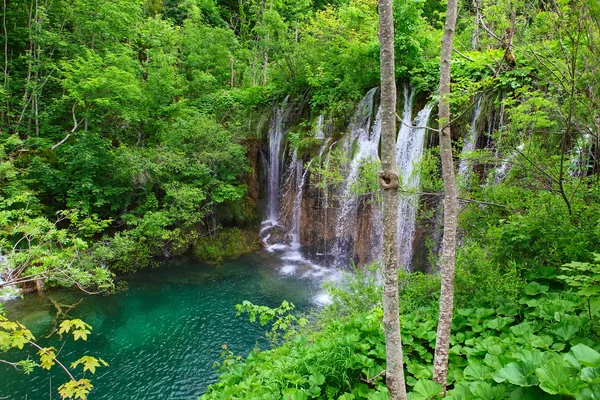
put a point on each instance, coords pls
(297, 208)
(276, 131)
(272, 231)
(364, 133)
(464, 167)
(409, 149)
(8, 292)
(580, 155)
(320, 134)
(324, 251)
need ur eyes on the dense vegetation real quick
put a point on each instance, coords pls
(538, 340)
(124, 132)
(124, 124)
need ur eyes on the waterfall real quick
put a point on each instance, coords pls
(501, 121)
(276, 131)
(409, 149)
(324, 250)
(8, 292)
(294, 233)
(297, 208)
(464, 166)
(320, 134)
(365, 136)
(580, 156)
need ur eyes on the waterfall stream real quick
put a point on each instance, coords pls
(276, 131)
(364, 135)
(348, 227)
(464, 167)
(409, 149)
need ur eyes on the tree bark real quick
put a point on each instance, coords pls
(475, 36)
(388, 180)
(440, 361)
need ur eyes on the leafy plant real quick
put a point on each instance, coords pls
(14, 335)
(585, 279)
(284, 322)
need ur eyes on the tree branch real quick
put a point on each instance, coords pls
(373, 379)
(462, 55)
(12, 364)
(415, 127)
(75, 125)
(55, 360)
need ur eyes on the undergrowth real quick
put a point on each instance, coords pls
(541, 344)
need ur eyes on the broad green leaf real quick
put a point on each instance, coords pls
(485, 391)
(555, 378)
(582, 355)
(529, 393)
(518, 373)
(316, 379)
(461, 391)
(566, 331)
(591, 392)
(477, 371)
(294, 394)
(534, 288)
(379, 395)
(420, 371)
(590, 375)
(425, 389)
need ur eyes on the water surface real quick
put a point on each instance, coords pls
(162, 336)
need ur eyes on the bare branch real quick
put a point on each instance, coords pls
(75, 125)
(462, 55)
(489, 32)
(373, 379)
(12, 364)
(415, 127)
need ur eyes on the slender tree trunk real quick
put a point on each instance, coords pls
(5, 86)
(388, 180)
(440, 361)
(232, 79)
(475, 36)
(4, 10)
(266, 63)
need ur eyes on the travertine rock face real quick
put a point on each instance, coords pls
(333, 221)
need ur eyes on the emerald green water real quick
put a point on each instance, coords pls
(162, 336)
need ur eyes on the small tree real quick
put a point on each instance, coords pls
(440, 362)
(388, 180)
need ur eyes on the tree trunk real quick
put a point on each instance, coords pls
(475, 36)
(388, 180)
(440, 362)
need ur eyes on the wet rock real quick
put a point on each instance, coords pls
(277, 234)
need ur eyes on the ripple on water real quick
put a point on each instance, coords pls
(163, 335)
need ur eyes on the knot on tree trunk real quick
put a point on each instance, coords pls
(388, 180)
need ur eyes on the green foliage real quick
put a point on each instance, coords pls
(225, 243)
(584, 278)
(14, 335)
(367, 182)
(328, 171)
(284, 324)
(541, 344)
(356, 293)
